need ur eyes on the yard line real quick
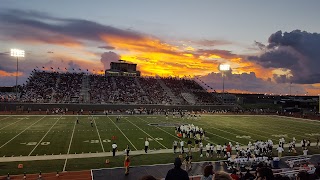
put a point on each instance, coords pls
(11, 124)
(5, 118)
(21, 132)
(65, 163)
(147, 134)
(170, 133)
(159, 128)
(44, 136)
(123, 134)
(223, 137)
(98, 135)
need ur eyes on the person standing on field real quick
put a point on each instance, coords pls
(114, 148)
(146, 145)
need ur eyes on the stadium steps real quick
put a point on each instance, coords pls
(85, 87)
(114, 84)
(174, 99)
(189, 98)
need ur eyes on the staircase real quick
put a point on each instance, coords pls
(85, 87)
(189, 98)
(174, 99)
(114, 84)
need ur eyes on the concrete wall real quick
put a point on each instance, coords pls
(101, 107)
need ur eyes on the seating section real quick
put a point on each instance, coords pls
(54, 87)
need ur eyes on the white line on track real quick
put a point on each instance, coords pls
(147, 134)
(123, 134)
(65, 162)
(44, 136)
(21, 132)
(98, 135)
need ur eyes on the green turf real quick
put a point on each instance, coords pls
(30, 135)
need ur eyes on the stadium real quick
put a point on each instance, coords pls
(161, 90)
(65, 122)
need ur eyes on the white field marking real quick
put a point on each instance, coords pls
(301, 119)
(227, 132)
(159, 128)
(223, 137)
(123, 134)
(274, 129)
(255, 134)
(44, 137)
(170, 133)
(65, 162)
(11, 124)
(21, 132)
(98, 135)
(4, 118)
(147, 134)
(298, 121)
(280, 131)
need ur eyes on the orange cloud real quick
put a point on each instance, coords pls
(4, 73)
(156, 57)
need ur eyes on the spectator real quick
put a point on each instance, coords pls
(207, 173)
(127, 165)
(303, 175)
(234, 175)
(177, 173)
(265, 173)
(248, 175)
(221, 175)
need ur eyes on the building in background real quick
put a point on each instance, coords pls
(122, 68)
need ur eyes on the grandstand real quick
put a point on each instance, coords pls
(39, 129)
(54, 87)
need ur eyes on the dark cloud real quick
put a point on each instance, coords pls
(219, 52)
(206, 42)
(72, 65)
(107, 47)
(41, 26)
(260, 45)
(297, 51)
(248, 82)
(108, 57)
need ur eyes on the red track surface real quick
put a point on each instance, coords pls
(75, 175)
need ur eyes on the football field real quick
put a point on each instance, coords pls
(54, 135)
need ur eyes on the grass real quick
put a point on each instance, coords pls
(39, 135)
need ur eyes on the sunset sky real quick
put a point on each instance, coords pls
(270, 45)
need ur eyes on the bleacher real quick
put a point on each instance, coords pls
(54, 87)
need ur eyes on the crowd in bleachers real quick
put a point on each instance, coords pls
(154, 91)
(39, 87)
(46, 87)
(7, 96)
(57, 87)
(101, 89)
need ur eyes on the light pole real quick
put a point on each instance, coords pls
(223, 68)
(17, 53)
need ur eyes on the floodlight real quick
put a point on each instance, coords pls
(224, 67)
(17, 53)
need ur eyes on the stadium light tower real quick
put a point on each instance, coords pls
(17, 53)
(223, 68)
